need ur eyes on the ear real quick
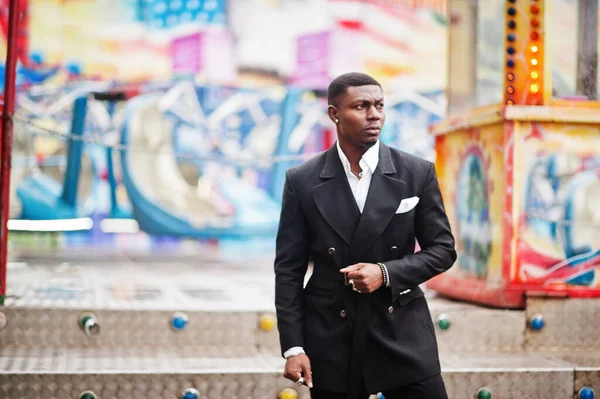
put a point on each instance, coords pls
(333, 113)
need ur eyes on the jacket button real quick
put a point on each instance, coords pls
(394, 248)
(343, 314)
(391, 309)
(331, 251)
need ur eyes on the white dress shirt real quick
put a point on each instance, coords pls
(368, 163)
(360, 188)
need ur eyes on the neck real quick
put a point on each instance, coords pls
(354, 154)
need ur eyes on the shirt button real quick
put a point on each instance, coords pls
(394, 248)
(343, 314)
(391, 309)
(331, 251)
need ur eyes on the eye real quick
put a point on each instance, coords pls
(360, 106)
(380, 105)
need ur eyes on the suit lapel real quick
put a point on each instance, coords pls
(334, 198)
(385, 193)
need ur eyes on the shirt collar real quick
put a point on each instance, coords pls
(371, 157)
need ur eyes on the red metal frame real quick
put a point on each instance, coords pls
(22, 30)
(7, 136)
(471, 289)
(509, 181)
(506, 296)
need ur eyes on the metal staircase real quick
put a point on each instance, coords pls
(206, 329)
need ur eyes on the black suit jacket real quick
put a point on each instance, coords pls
(386, 337)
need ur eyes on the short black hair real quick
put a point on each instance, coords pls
(353, 79)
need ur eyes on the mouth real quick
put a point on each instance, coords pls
(373, 130)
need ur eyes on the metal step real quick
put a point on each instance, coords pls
(229, 309)
(66, 373)
(232, 333)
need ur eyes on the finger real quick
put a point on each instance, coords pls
(294, 375)
(361, 287)
(365, 289)
(352, 268)
(293, 369)
(307, 373)
(357, 276)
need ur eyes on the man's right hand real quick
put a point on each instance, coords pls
(298, 366)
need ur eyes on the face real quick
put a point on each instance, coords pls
(360, 116)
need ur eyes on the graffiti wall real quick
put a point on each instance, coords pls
(558, 194)
(202, 162)
(233, 106)
(471, 172)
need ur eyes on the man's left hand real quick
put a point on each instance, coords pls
(367, 277)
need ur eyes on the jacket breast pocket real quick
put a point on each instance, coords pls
(405, 215)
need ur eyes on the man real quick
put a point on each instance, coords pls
(361, 325)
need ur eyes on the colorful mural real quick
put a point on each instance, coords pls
(473, 212)
(252, 108)
(185, 161)
(559, 231)
(471, 173)
(522, 200)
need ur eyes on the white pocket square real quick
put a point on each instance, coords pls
(407, 204)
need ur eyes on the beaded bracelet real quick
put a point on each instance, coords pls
(385, 277)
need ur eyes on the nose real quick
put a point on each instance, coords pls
(374, 114)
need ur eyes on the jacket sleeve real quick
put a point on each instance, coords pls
(291, 262)
(435, 238)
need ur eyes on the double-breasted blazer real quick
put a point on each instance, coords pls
(385, 338)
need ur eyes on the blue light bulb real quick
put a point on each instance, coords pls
(537, 323)
(190, 393)
(586, 393)
(179, 321)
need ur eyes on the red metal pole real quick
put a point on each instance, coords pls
(7, 136)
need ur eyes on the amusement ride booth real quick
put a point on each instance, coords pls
(518, 156)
